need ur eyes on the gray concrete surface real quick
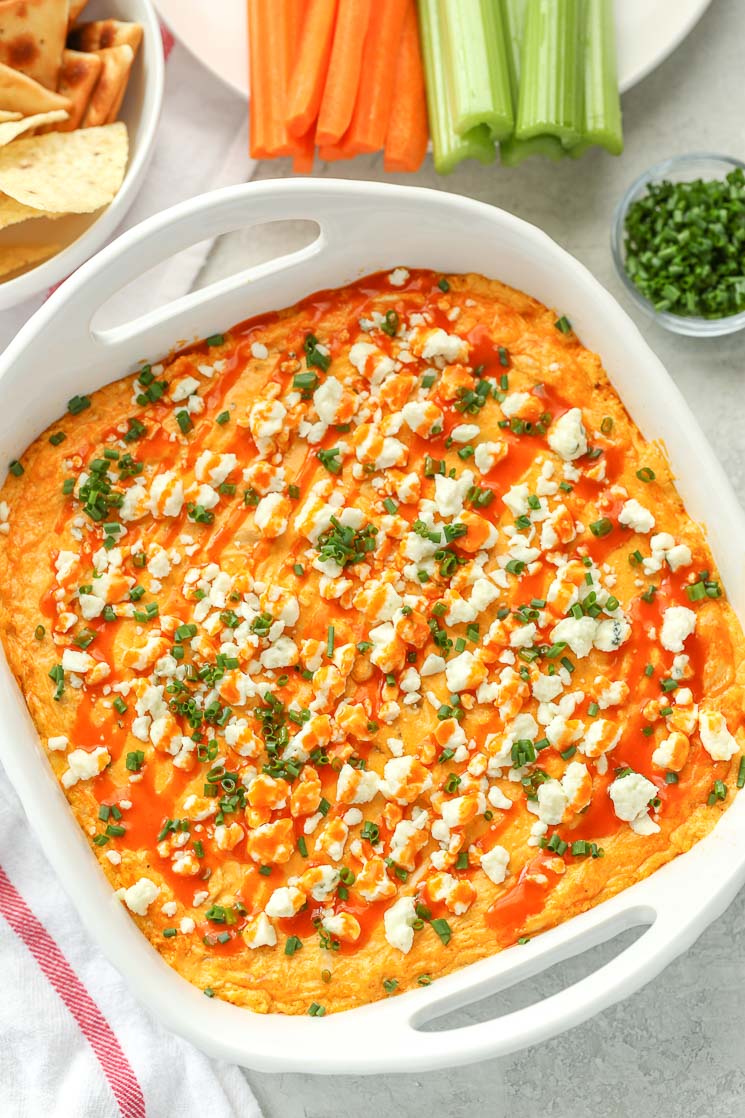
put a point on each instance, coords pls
(676, 1049)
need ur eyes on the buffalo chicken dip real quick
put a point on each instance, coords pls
(368, 638)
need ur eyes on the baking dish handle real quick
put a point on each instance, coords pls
(544, 1019)
(340, 215)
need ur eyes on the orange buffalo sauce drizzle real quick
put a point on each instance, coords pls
(527, 897)
(599, 821)
(151, 805)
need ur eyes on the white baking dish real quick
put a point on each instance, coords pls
(365, 227)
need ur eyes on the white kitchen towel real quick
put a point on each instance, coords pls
(73, 1041)
(202, 144)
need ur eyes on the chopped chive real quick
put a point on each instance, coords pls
(330, 459)
(390, 324)
(305, 381)
(683, 245)
(313, 355)
(601, 527)
(442, 928)
(78, 404)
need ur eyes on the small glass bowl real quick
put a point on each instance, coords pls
(681, 168)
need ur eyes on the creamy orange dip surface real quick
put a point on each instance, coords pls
(367, 639)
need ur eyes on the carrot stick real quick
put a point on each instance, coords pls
(372, 108)
(343, 77)
(333, 152)
(259, 82)
(294, 29)
(407, 136)
(309, 73)
(269, 46)
(305, 148)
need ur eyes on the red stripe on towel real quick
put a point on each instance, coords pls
(93, 1025)
(168, 40)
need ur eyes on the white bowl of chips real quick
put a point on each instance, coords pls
(78, 120)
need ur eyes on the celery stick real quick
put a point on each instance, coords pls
(602, 103)
(448, 147)
(512, 151)
(550, 89)
(478, 66)
(513, 21)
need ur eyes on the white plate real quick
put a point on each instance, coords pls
(648, 31)
(362, 228)
(83, 234)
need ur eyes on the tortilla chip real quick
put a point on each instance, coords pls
(107, 97)
(66, 172)
(12, 212)
(32, 37)
(77, 79)
(19, 94)
(5, 115)
(104, 33)
(11, 129)
(15, 257)
(76, 7)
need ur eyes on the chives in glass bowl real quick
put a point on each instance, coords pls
(678, 244)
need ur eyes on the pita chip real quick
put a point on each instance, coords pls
(20, 94)
(15, 257)
(76, 7)
(66, 172)
(12, 212)
(5, 115)
(77, 80)
(104, 33)
(103, 107)
(10, 129)
(32, 37)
